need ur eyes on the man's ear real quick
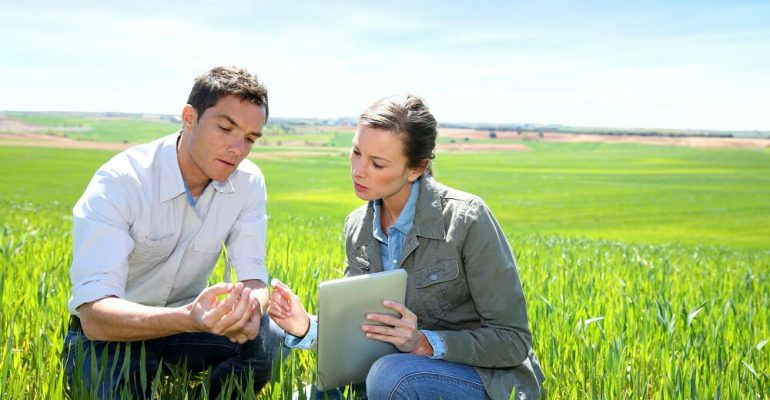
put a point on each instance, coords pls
(189, 116)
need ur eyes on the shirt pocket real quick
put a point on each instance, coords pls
(149, 250)
(203, 254)
(208, 243)
(441, 287)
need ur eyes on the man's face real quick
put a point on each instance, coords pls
(213, 145)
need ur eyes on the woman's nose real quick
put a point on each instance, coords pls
(357, 169)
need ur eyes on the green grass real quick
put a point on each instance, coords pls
(646, 269)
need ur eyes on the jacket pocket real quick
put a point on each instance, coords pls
(358, 266)
(443, 271)
(441, 287)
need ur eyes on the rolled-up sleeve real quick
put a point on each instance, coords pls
(100, 242)
(246, 241)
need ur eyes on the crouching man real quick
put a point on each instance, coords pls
(147, 233)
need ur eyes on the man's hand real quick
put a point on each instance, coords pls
(221, 317)
(252, 320)
(401, 332)
(287, 310)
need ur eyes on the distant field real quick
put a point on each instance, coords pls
(619, 192)
(646, 268)
(130, 129)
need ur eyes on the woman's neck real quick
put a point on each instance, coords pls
(391, 207)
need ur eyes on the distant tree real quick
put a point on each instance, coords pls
(492, 135)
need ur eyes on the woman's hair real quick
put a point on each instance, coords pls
(226, 81)
(409, 117)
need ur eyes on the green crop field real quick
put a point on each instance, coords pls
(646, 269)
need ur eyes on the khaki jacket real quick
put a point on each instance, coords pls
(463, 284)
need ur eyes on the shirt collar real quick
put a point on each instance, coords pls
(173, 185)
(404, 222)
(225, 186)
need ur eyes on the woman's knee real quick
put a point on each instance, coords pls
(409, 376)
(386, 378)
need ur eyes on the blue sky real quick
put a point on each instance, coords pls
(651, 64)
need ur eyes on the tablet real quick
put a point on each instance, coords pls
(344, 353)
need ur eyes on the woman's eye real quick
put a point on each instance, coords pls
(377, 166)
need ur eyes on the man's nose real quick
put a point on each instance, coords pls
(237, 147)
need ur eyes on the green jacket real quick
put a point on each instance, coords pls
(463, 284)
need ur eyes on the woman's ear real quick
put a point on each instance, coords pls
(418, 171)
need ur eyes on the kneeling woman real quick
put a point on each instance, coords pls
(463, 332)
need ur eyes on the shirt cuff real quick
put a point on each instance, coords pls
(247, 270)
(305, 343)
(435, 340)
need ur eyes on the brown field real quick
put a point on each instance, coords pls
(15, 133)
(689, 141)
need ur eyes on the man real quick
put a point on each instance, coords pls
(147, 233)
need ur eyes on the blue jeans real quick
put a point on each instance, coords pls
(413, 377)
(105, 369)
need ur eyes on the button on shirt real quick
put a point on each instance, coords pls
(390, 252)
(136, 236)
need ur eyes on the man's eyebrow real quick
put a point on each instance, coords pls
(230, 120)
(227, 117)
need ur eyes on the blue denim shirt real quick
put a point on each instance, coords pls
(390, 251)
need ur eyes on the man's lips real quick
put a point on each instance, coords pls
(226, 162)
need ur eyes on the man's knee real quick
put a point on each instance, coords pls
(267, 343)
(97, 368)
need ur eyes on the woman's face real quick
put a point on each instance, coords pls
(378, 166)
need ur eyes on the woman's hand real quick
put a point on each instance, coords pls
(286, 310)
(401, 332)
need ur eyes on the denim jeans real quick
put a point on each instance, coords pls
(106, 370)
(413, 377)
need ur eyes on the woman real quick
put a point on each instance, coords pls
(463, 332)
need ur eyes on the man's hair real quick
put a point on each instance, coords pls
(226, 81)
(407, 116)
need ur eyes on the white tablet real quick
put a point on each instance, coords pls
(344, 353)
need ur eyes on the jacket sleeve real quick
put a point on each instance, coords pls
(504, 338)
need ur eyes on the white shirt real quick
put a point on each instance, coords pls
(135, 235)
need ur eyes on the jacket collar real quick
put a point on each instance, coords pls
(428, 217)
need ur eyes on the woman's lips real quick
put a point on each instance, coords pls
(359, 187)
